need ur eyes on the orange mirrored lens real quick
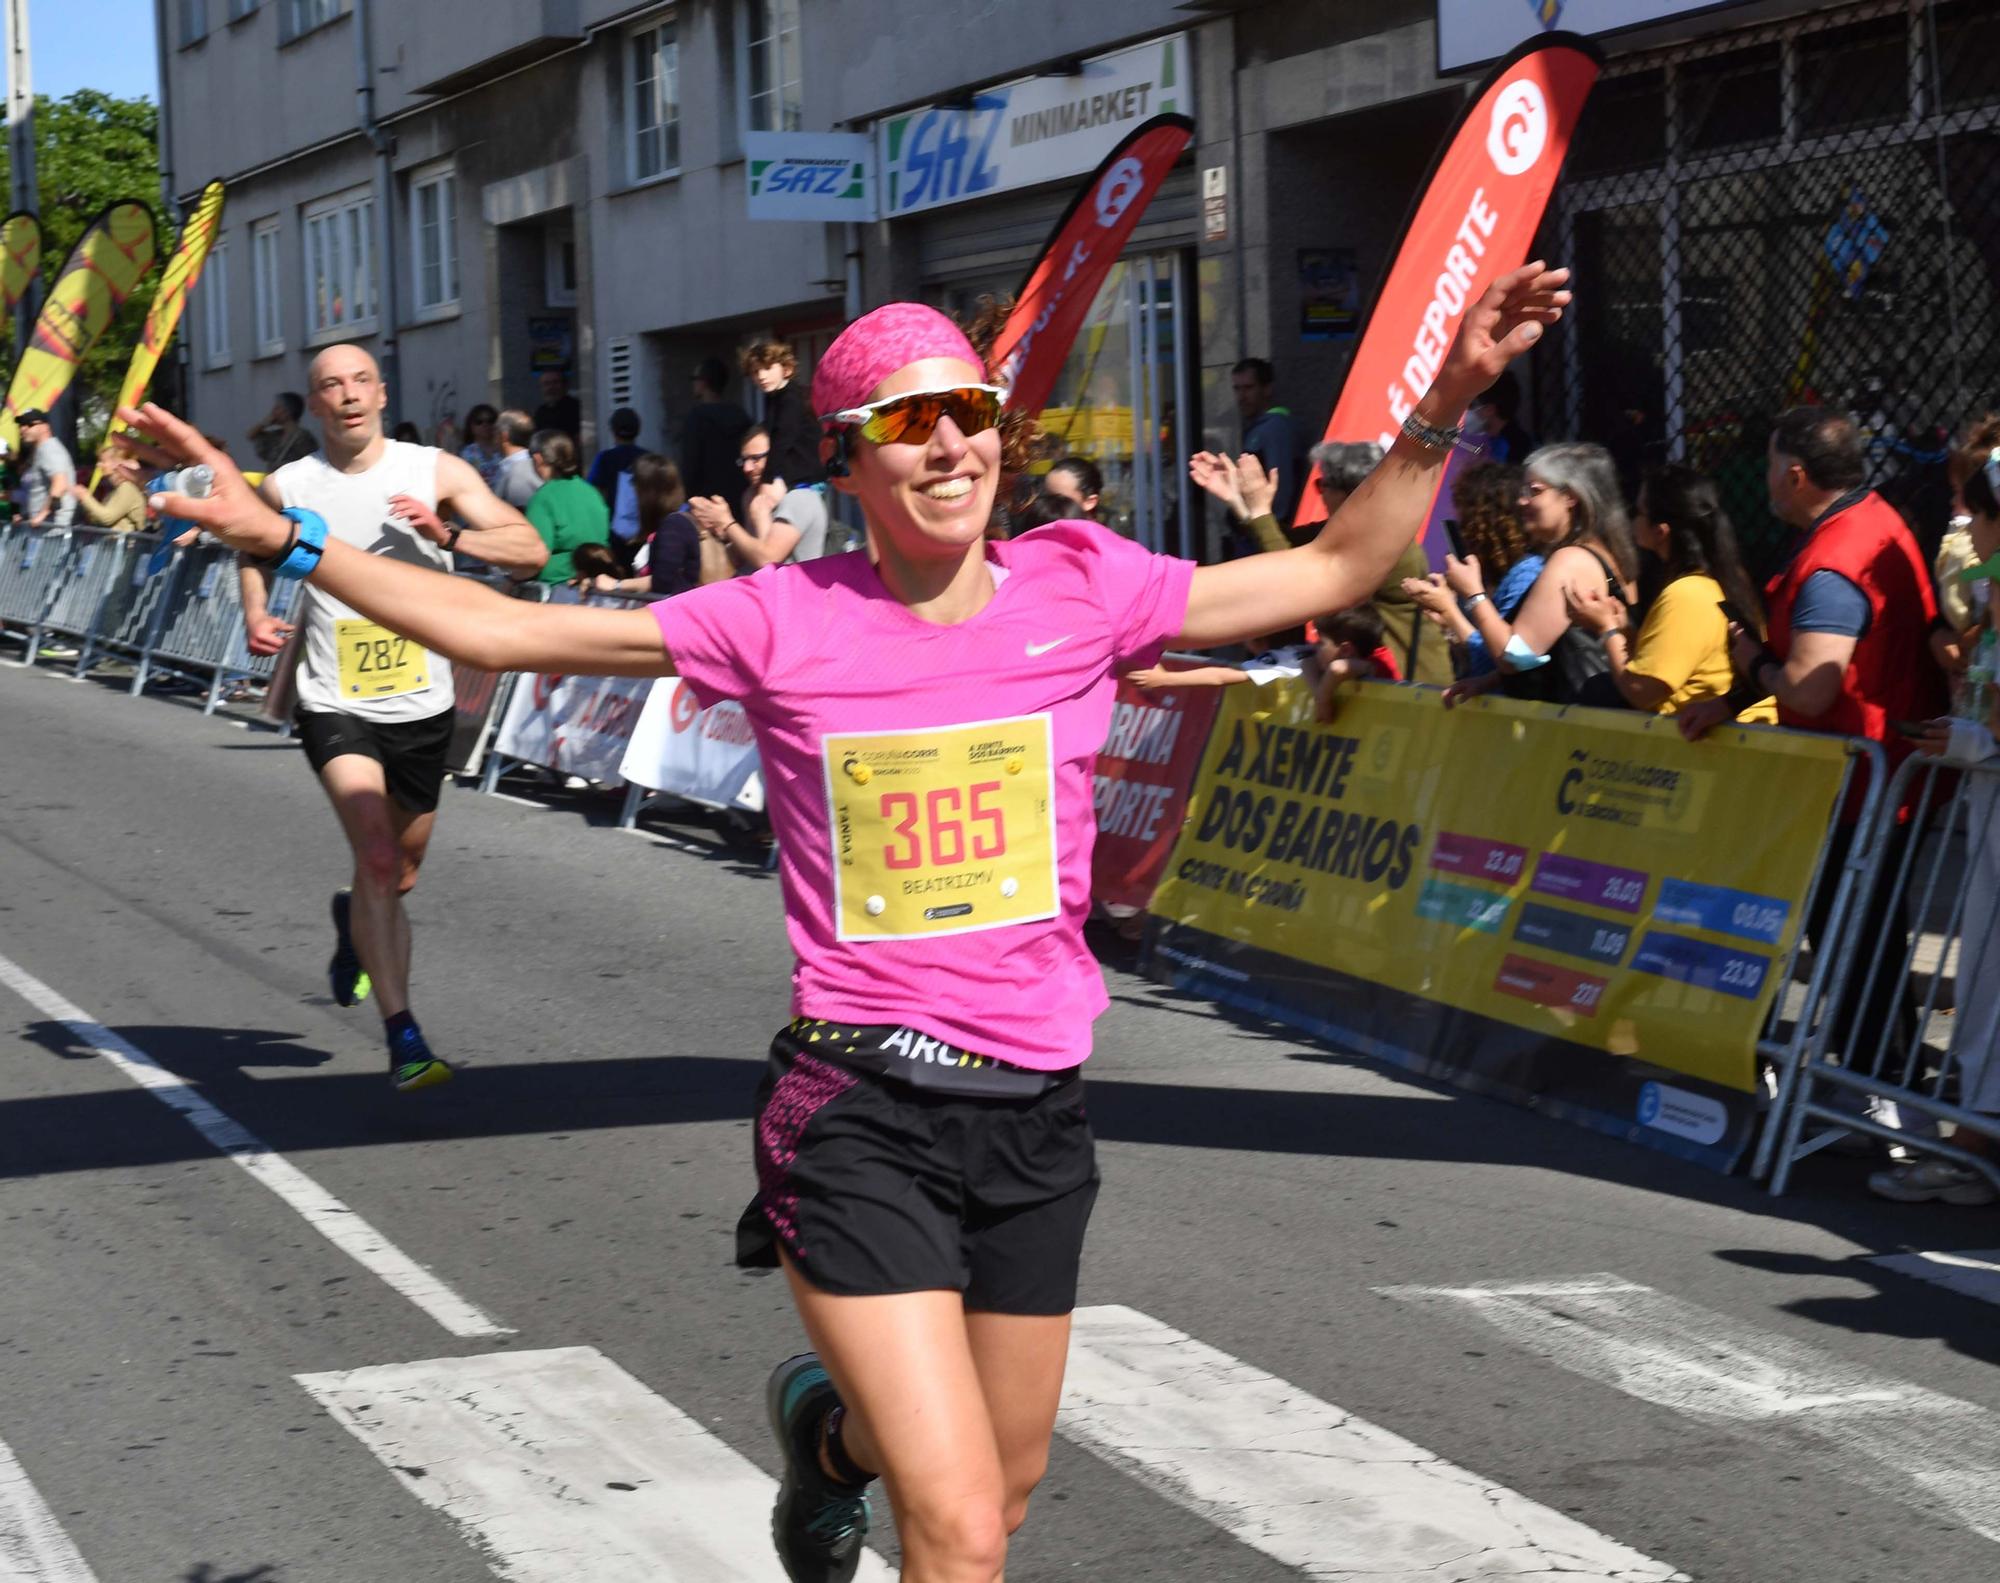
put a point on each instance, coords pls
(912, 420)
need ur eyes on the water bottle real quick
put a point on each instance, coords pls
(1975, 697)
(197, 483)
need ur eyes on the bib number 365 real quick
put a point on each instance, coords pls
(942, 831)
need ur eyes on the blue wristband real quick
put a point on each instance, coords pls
(309, 546)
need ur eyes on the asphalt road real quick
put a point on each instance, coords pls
(610, 995)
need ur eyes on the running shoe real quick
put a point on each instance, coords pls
(411, 1064)
(1925, 1180)
(818, 1525)
(344, 973)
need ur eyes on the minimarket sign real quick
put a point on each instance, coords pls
(1029, 131)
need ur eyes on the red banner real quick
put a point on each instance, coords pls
(1145, 771)
(1476, 220)
(1033, 344)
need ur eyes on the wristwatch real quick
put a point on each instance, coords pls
(451, 539)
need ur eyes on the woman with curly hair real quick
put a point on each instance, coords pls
(1487, 498)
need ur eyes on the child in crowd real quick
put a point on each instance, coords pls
(1344, 647)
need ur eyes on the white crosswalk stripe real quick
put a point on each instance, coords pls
(33, 1546)
(1974, 1273)
(1302, 1480)
(1898, 1438)
(559, 1466)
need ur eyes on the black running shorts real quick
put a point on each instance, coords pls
(412, 753)
(889, 1162)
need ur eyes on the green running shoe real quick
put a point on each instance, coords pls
(412, 1066)
(818, 1525)
(344, 973)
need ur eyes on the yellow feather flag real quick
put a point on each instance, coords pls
(110, 260)
(204, 224)
(20, 256)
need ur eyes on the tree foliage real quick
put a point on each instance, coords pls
(93, 149)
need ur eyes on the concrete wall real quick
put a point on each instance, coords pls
(240, 99)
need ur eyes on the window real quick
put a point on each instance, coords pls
(434, 235)
(1728, 101)
(559, 266)
(215, 307)
(265, 288)
(655, 100)
(1854, 76)
(776, 103)
(300, 17)
(340, 265)
(239, 9)
(194, 21)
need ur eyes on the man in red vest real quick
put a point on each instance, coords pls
(1848, 652)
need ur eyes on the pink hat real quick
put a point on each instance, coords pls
(875, 345)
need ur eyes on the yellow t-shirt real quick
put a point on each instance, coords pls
(1685, 645)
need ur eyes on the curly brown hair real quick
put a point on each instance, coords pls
(1018, 430)
(759, 355)
(1487, 497)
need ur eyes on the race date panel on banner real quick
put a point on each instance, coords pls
(942, 831)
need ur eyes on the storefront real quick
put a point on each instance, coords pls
(971, 191)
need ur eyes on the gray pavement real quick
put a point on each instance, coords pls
(610, 995)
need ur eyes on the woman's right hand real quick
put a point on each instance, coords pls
(1259, 488)
(1463, 576)
(233, 511)
(1594, 609)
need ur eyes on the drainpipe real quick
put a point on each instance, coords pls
(170, 203)
(384, 145)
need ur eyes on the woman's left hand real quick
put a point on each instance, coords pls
(1507, 319)
(234, 512)
(1745, 650)
(1429, 594)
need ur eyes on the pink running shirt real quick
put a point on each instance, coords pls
(930, 785)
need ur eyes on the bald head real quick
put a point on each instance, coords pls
(345, 391)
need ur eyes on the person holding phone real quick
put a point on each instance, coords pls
(1681, 652)
(1489, 526)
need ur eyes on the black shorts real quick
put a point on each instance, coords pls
(887, 1162)
(412, 753)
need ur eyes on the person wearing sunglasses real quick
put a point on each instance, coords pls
(928, 721)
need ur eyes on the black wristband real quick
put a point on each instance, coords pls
(279, 559)
(451, 539)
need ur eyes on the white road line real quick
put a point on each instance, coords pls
(326, 1214)
(1897, 1438)
(559, 1465)
(1975, 1273)
(1302, 1480)
(33, 1546)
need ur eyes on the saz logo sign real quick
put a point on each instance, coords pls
(1547, 12)
(1520, 128)
(1122, 183)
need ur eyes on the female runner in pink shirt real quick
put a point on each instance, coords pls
(924, 1167)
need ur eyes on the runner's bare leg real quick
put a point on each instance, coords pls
(388, 843)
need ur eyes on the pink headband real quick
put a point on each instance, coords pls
(875, 345)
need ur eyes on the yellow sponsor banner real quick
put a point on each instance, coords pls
(20, 256)
(109, 261)
(1584, 876)
(182, 272)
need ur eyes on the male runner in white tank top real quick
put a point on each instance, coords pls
(375, 710)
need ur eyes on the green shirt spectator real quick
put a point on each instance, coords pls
(566, 511)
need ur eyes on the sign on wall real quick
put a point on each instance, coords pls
(1033, 130)
(810, 175)
(1477, 32)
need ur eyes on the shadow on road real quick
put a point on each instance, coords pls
(1962, 1323)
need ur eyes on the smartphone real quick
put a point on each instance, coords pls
(1732, 612)
(1456, 539)
(1911, 728)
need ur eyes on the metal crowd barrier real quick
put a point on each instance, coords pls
(1933, 1059)
(34, 563)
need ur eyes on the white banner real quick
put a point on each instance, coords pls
(1474, 32)
(1033, 130)
(810, 175)
(705, 755)
(579, 725)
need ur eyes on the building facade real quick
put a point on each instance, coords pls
(1768, 198)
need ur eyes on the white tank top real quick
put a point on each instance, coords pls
(350, 666)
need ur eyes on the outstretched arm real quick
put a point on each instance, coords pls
(1362, 541)
(452, 615)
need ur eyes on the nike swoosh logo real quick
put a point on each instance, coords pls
(1037, 650)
